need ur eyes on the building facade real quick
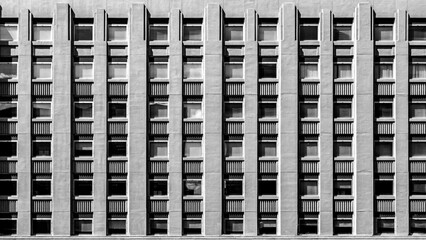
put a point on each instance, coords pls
(213, 118)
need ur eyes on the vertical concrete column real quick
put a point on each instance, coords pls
(213, 120)
(401, 126)
(326, 125)
(250, 121)
(61, 139)
(24, 125)
(288, 115)
(137, 115)
(100, 125)
(175, 122)
(364, 129)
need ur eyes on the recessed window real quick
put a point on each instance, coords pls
(267, 185)
(193, 149)
(384, 184)
(384, 68)
(417, 30)
(8, 226)
(158, 110)
(234, 226)
(9, 30)
(158, 149)
(309, 109)
(117, 110)
(8, 67)
(117, 185)
(342, 29)
(192, 110)
(418, 148)
(41, 149)
(83, 67)
(42, 29)
(83, 187)
(192, 185)
(8, 109)
(418, 184)
(83, 30)
(418, 223)
(83, 149)
(83, 226)
(234, 29)
(342, 109)
(8, 185)
(267, 29)
(234, 67)
(343, 67)
(158, 185)
(191, 226)
(385, 224)
(117, 67)
(158, 68)
(268, 67)
(309, 148)
(83, 110)
(158, 29)
(192, 29)
(268, 226)
(308, 224)
(342, 149)
(309, 185)
(343, 223)
(417, 109)
(383, 29)
(117, 149)
(117, 29)
(42, 67)
(117, 226)
(309, 68)
(8, 149)
(192, 68)
(384, 149)
(233, 185)
(384, 109)
(233, 110)
(418, 67)
(268, 149)
(342, 185)
(41, 225)
(308, 29)
(41, 187)
(158, 226)
(267, 110)
(234, 149)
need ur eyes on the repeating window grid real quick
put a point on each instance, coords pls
(117, 68)
(79, 179)
(159, 149)
(343, 68)
(9, 68)
(159, 68)
(38, 29)
(83, 103)
(117, 26)
(83, 149)
(384, 68)
(42, 68)
(9, 32)
(42, 148)
(83, 68)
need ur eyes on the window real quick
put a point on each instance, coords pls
(41, 149)
(267, 29)
(384, 108)
(192, 68)
(83, 109)
(117, 185)
(117, 148)
(117, 224)
(342, 29)
(192, 110)
(385, 223)
(158, 110)
(8, 185)
(41, 224)
(234, 67)
(8, 148)
(267, 110)
(158, 224)
(8, 109)
(383, 29)
(268, 67)
(384, 67)
(83, 67)
(117, 29)
(158, 149)
(158, 68)
(384, 184)
(267, 149)
(343, 223)
(342, 184)
(234, 29)
(42, 67)
(309, 68)
(308, 29)
(117, 110)
(234, 224)
(42, 29)
(417, 108)
(192, 185)
(193, 148)
(268, 224)
(192, 225)
(308, 223)
(233, 184)
(309, 108)
(267, 184)
(83, 29)
(158, 29)
(418, 223)
(9, 30)
(418, 146)
(117, 67)
(343, 146)
(309, 146)
(192, 29)
(343, 108)
(83, 149)
(8, 224)
(418, 184)
(83, 226)
(343, 67)
(42, 184)
(158, 185)
(384, 146)
(309, 184)
(233, 149)
(418, 67)
(8, 66)
(233, 109)
(83, 185)
(417, 30)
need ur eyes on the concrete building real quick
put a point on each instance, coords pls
(213, 118)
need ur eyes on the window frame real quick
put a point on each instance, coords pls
(111, 63)
(305, 102)
(339, 102)
(267, 178)
(233, 102)
(112, 141)
(417, 62)
(304, 143)
(193, 24)
(270, 60)
(121, 178)
(234, 61)
(310, 61)
(415, 101)
(416, 23)
(384, 23)
(199, 62)
(233, 24)
(380, 218)
(201, 103)
(308, 23)
(12, 178)
(343, 61)
(11, 101)
(384, 61)
(417, 178)
(267, 23)
(151, 108)
(343, 22)
(305, 218)
(384, 177)
(34, 179)
(379, 111)
(164, 178)
(385, 140)
(267, 141)
(11, 140)
(192, 178)
(77, 219)
(228, 178)
(342, 217)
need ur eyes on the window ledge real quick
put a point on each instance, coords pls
(11, 120)
(420, 158)
(159, 120)
(234, 158)
(268, 197)
(344, 80)
(159, 197)
(385, 197)
(10, 43)
(234, 80)
(345, 158)
(385, 119)
(418, 119)
(42, 43)
(193, 197)
(159, 159)
(12, 159)
(310, 197)
(41, 80)
(235, 120)
(43, 158)
(118, 119)
(192, 43)
(84, 80)
(42, 197)
(41, 119)
(193, 120)
(268, 120)
(84, 197)
(309, 43)
(344, 197)
(117, 197)
(418, 197)
(346, 119)
(385, 80)
(199, 158)
(165, 80)
(270, 158)
(312, 158)
(82, 43)
(235, 197)
(384, 42)
(117, 79)
(158, 43)
(316, 80)
(417, 80)
(12, 197)
(268, 79)
(417, 43)
(385, 159)
(343, 43)
(234, 43)
(268, 43)
(309, 119)
(84, 158)
(121, 158)
(83, 119)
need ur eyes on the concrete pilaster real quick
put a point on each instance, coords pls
(402, 226)
(175, 125)
(250, 121)
(364, 116)
(61, 109)
(288, 115)
(326, 125)
(213, 120)
(100, 125)
(24, 125)
(137, 115)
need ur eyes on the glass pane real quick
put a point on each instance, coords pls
(233, 33)
(342, 33)
(192, 187)
(83, 149)
(384, 71)
(41, 110)
(417, 33)
(83, 226)
(309, 110)
(117, 33)
(158, 149)
(158, 227)
(192, 227)
(308, 33)
(158, 71)
(41, 149)
(191, 70)
(8, 70)
(158, 33)
(418, 149)
(158, 188)
(267, 110)
(8, 188)
(233, 187)
(343, 110)
(383, 110)
(117, 71)
(8, 33)
(384, 149)
(42, 33)
(83, 33)
(343, 188)
(234, 149)
(8, 149)
(267, 187)
(418, 187)
(234, 227)
(192, 110)
(41, 187)
(384, 187)
(267, 33)
(267, 70)
(309, 149)
(192, 33)
(117, 227)
(344, 71)
(158, 110)
(234, 71)
(268, 227)
(116, 149)
(42, 70)
(83, 110)
(233, 110)
(383, 33)
(418, 70)
(117, 188)
(268, 149)
(193, 149)
(343, 149)
(83, 188)
(117, 110)
(7, 227)
(416, 110)
(8, 110)
(83, 71)
(308, 71)
(41, 226)
(309, 188)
